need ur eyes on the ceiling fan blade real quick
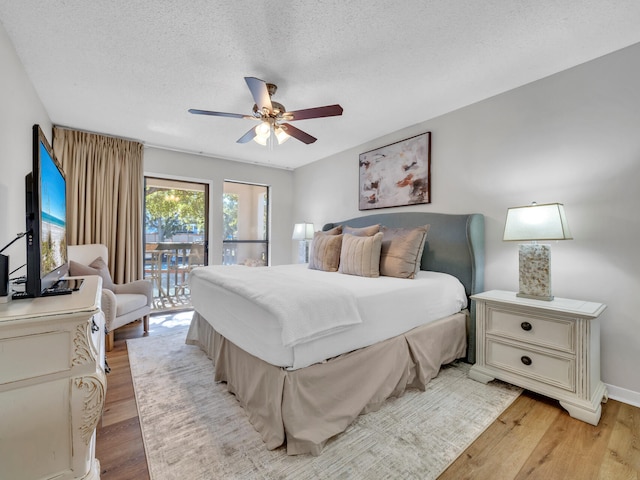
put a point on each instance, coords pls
(317, 112)
(259, 92)
(298, 134)
(218, 114)
(247, 137)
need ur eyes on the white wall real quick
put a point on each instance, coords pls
(20, 109)
(572, 138)
(171, 164)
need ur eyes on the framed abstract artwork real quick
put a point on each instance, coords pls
(396, 175)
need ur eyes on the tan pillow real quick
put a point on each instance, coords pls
(324, 253)
(402, 251)
(97, 267)
(362, 231)
(361, 255)
(334, 231)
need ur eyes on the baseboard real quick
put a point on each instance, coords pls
(623, 395)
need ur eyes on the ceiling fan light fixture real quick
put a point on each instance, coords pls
(263, 129)
(261, 140)
(281, 135)
(263, 132)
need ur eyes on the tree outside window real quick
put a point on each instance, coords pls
(170, 211)
(230, 215)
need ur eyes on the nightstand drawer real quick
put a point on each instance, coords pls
(548, 369)
(534, 330)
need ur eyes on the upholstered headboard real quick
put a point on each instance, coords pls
(455, 245)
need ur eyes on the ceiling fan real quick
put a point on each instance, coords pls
(273, 116)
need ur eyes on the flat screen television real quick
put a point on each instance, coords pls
(46, 225)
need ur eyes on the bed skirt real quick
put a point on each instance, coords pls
(304, 408)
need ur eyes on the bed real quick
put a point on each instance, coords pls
(300, 389)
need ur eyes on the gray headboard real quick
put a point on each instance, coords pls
(455, 245)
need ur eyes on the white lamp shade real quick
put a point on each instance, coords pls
(303, 231)
(263, 132)
(537, 222)
(263, 129)
(281, 135)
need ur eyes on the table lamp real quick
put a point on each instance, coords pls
(303, 232)
(536, 223)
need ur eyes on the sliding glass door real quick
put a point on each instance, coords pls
(175, 237)
(246, 224)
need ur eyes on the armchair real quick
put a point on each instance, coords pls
(121, 304)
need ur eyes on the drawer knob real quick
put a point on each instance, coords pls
(526, 360)
(526, 326)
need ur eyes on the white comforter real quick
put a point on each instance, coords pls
(301, 308)
(388, 307)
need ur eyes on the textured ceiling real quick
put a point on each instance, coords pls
(132, 68)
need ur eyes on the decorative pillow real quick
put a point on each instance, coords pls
(402, 251)
(337, 230)
(97, 267)
(324, 253)
(362, 231)
(361, 255)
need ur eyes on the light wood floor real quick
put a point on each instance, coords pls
(533, 439)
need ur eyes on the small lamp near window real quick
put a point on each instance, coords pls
(536, 223)
(303, 232)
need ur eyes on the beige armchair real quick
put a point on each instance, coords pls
(121, 304)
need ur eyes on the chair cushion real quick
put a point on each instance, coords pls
(128, 302)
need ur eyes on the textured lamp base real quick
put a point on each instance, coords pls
(535, 271)
(303, 251)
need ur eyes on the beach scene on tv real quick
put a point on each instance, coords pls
(53, 246)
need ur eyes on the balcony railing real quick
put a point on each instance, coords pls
(245, 252)
(167, 265)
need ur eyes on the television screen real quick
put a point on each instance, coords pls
(53, 219)
(46, 220)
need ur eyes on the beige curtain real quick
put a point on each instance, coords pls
(105, 179)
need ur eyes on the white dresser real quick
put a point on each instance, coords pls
(548, 347)
(52, 385)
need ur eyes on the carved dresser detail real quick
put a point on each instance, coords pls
(52, 385)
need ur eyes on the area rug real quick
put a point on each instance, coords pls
(194, 429)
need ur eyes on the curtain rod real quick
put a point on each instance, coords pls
(99, 133)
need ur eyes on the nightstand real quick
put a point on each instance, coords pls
(548, 347)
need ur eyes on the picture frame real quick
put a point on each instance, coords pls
(397, 174)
